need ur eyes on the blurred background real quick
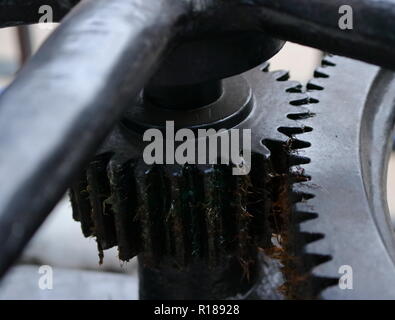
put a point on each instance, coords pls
(59, 243)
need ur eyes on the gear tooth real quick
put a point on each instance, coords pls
(243, 237)
(296, 159)
(294, 87)
(265, 66)
(81, 206)
(299, 99)
(304, 207)
(153, 205)
(291, 130)
(301, 115)
(259, 203)
(177, 219)
(258, 147)
(281, 75)
(193, 200)
(100, 199)
(321, 73)
(327, 62)
(313, 86)
(124, 204)
(278, 154)
(214, 187)
(297, 145)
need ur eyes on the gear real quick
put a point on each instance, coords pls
(182, 212)
(350, 230)
(198, 212)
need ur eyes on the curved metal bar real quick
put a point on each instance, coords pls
(315, 23)
(67, 98)
(20, 12)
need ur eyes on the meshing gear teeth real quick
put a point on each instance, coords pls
(342, 204)
(185, 212)
(203, 212)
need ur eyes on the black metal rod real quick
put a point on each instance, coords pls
(20, 12)
(65, 101)
(315, 23)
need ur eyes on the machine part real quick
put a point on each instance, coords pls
(140, 32)
(346, 172)
(212, 55)
(314, 23)
(232, 107)
(185, 219)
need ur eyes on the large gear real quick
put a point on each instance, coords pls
(346, 178)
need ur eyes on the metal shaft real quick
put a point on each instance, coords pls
(184, 97)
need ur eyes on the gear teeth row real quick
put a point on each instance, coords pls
(303, 192)
(289, 201)
(184, 212)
